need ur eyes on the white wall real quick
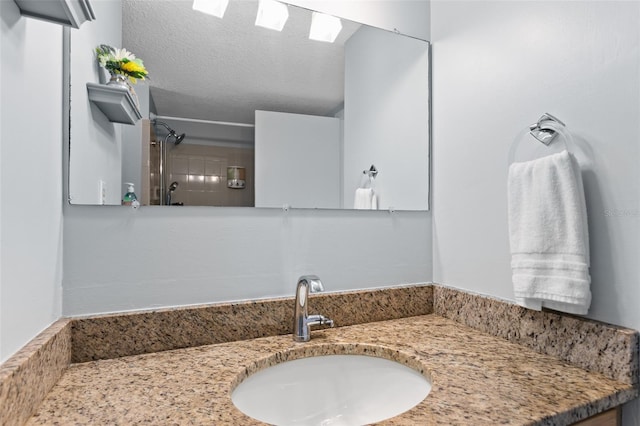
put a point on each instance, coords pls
(297, 160)
(497, 66)
(119, 259)
(97, 143)
(386, 118)
(30, 177)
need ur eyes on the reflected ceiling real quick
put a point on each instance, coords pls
(189, 55)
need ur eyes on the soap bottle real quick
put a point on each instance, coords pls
(130, 198)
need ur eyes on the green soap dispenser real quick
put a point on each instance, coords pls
(130, 198)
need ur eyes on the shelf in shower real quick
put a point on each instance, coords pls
(115, 102)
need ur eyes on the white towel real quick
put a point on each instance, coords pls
(365, 199)
(548, 234)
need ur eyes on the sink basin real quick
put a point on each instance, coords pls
(331, 390)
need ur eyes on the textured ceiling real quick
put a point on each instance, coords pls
(224, 69)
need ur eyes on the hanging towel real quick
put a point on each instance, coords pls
(548, 234)
(365, 199)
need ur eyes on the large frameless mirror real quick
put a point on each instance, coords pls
(236, 114)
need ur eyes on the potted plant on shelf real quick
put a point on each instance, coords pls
(123, 66)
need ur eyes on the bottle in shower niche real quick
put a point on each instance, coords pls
(130, 198)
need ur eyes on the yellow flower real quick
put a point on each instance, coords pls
(133, 67)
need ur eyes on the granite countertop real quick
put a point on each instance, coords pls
(476, 379)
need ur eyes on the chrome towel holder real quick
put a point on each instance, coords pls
(545, 131)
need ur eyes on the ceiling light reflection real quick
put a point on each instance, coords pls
(324, 27)
(211, 7)
(272, 14)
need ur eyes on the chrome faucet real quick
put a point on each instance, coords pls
(302, 321)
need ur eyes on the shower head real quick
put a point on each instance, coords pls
(172, 133)
(177, 138)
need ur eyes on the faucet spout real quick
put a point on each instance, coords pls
(302, 320)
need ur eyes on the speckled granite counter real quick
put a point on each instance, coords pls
(490, 361)
(477, 379)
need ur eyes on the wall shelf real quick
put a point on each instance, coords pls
(115, 102)
(71, 13)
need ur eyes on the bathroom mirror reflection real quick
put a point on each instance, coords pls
(249, 116)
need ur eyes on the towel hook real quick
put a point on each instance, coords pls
(543, 130)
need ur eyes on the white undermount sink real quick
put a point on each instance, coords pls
(331, 390)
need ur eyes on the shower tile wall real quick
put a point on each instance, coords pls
(201, 173)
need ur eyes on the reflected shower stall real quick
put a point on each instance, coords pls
(214, 166)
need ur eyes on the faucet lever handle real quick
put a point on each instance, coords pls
(319, 320)
(328, 322)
